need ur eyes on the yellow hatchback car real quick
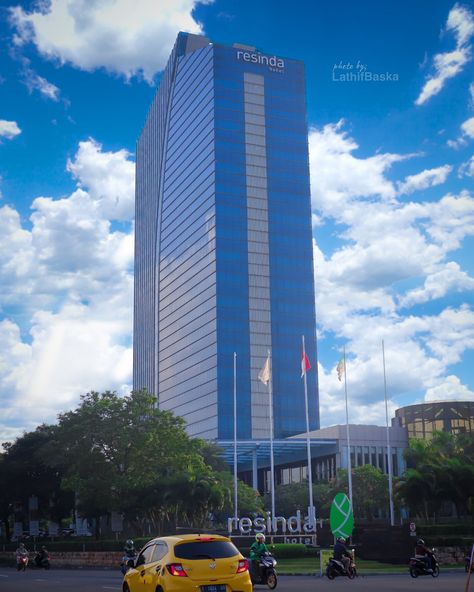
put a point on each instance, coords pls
(189, 563)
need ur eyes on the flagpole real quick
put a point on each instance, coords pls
(272, 464)
(308, 442)
(389, 449)
(235, 438)
(349, 463)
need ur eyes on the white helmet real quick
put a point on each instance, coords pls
(260, 537)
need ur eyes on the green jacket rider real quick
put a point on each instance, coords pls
(258, 548)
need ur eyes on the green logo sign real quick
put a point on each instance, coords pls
(341, 518)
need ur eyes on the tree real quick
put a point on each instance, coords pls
(249, 501)
(24, 473)
(369, 490)
(117, 453)
(124, 454)
(295, 496)
(438, 470)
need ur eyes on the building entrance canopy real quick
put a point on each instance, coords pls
(251, 453)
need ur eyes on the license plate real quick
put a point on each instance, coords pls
(214, 588)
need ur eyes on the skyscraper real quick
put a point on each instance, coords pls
(223, 241)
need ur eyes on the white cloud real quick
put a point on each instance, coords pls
(73, 275)
(468, 127)
(9, 129)
(128, 37)
(330, 152)
(425, 179)
(450, 390)
(467, 168)
(447, 65)
(361, 285)
(450, 279)
(109, 177)
(35, 82)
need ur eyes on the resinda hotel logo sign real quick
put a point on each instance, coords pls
(273, 63)
(297, 524)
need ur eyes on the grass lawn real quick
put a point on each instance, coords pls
(311, 565)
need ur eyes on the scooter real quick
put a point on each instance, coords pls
(418, 567)
(42, 561)
(336, 568)
(21, 562)
(266, 572)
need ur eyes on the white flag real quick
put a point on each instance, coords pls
(264, 374)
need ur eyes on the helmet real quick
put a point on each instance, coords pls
(260, 536)
(129, 544)
(420, 542)
(341, 540)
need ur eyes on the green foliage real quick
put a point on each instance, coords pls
(122, 454)
(23, 473)
(295, 496)
(438, 470)
(286, 551)
(249, 501)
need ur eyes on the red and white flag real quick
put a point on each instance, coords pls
(341, 368)
(305, 365)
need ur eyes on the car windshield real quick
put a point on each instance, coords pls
(206, 550)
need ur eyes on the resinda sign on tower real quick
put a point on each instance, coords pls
(297, 524)
(274, 64)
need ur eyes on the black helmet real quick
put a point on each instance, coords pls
(420, 542)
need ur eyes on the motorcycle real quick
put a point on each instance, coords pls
(128, 561)
(418, 567)
(336, 568)
(42, 560)
(467, 562)
(21, 562)
(266, 575)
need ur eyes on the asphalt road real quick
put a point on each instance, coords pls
(102, 581)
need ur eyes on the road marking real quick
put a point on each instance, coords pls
(109, 587)
(2, 576)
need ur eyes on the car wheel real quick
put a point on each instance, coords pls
(272, 580)
(125, 587)
(413, 572)
(435, 573)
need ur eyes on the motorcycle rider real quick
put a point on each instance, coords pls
(130, 554)
(129, 548)
(21, 552)
(257, 550)
(341, 553)
(422, 552)
(41, 556)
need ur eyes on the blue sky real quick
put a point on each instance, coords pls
(392, 170)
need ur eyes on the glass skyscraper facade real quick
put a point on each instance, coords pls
(223, 242)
